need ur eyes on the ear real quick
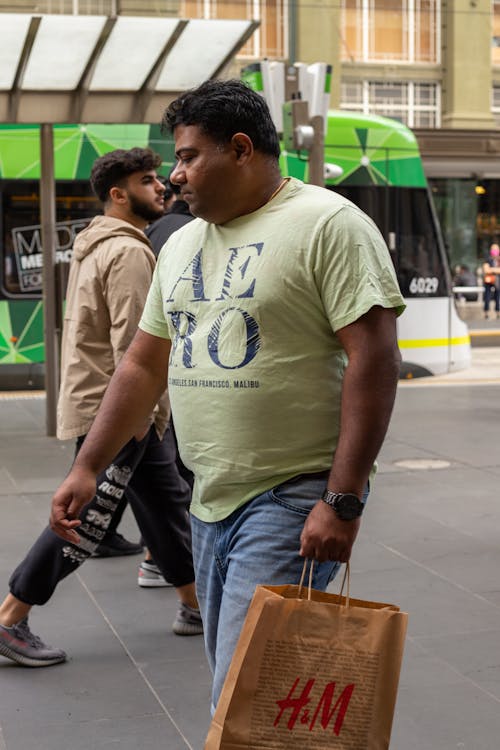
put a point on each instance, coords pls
(118, 195)
(242, 146)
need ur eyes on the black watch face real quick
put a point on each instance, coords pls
(348, 507)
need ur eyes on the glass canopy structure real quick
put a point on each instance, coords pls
(98, 69)
(74, 68)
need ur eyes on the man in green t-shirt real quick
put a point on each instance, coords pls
(272, 317)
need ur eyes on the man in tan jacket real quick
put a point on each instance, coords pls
(110, 275)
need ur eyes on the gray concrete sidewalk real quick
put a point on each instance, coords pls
(430, 542)
(130, 682)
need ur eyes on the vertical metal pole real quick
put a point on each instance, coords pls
(48, 223)
(317, 153)
(292, 31)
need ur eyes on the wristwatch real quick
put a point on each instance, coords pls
(346, 505)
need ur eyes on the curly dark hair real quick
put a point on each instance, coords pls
(113, 168)
(223, 108)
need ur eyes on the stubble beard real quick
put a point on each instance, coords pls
(144, 210)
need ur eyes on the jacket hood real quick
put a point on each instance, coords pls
(103, 228)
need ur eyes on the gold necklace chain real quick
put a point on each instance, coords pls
(280, 186)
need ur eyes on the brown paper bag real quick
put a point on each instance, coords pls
(311, 673)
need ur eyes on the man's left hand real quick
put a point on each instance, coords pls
(75, 492)
(325, 537)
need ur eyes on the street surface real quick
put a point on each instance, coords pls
(430, 542)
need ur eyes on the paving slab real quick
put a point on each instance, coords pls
(429, 542)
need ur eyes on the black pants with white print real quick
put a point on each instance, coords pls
(159, 497)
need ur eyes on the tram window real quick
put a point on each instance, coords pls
(20, 231)
(405, 219)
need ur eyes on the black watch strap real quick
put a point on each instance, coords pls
(346, 505)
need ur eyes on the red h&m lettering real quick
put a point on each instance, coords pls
(326, 702)
(324, 706)
(296, 703)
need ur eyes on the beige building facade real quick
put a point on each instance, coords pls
(429, 63)
(433, 64)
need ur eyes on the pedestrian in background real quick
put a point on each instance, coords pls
(465, 277)
(272, 316)
(158, 233)
(110, 275)
(176, 215)
(491, 280)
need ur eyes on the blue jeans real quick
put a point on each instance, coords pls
(491, 292)
(257, 544)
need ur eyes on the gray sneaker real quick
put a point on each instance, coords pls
(187, 621)
(150, 576)
(20, 644)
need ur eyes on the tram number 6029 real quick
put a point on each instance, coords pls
(424, 285)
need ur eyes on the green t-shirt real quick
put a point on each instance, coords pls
(252, 307)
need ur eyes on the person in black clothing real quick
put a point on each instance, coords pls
(465, 277)
(158, 232)
(177, 215)
(114, 543)
(491, 280)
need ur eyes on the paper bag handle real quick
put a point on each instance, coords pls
(347, 577)
(301, 582)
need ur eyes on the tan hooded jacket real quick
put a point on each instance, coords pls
(110, 275)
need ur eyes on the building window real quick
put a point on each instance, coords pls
(69, 7)
(495, 103)
(415, 104)
(495, 40)
(269, 40)
(390, 30)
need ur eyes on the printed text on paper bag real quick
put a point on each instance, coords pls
(321, 697)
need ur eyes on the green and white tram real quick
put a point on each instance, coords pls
(380, 170)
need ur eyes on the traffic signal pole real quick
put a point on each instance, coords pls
(317, 152)
(298, 98)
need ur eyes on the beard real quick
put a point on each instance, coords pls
(146, 211)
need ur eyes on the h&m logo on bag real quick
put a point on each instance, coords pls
(308, 715)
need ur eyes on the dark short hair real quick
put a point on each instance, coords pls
(223, 108)
(114, 167)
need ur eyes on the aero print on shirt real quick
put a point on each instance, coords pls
(208, 319)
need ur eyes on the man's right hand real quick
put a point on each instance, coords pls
(75, 492)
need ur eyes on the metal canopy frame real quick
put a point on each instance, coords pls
(103, 91)
(86, 101)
